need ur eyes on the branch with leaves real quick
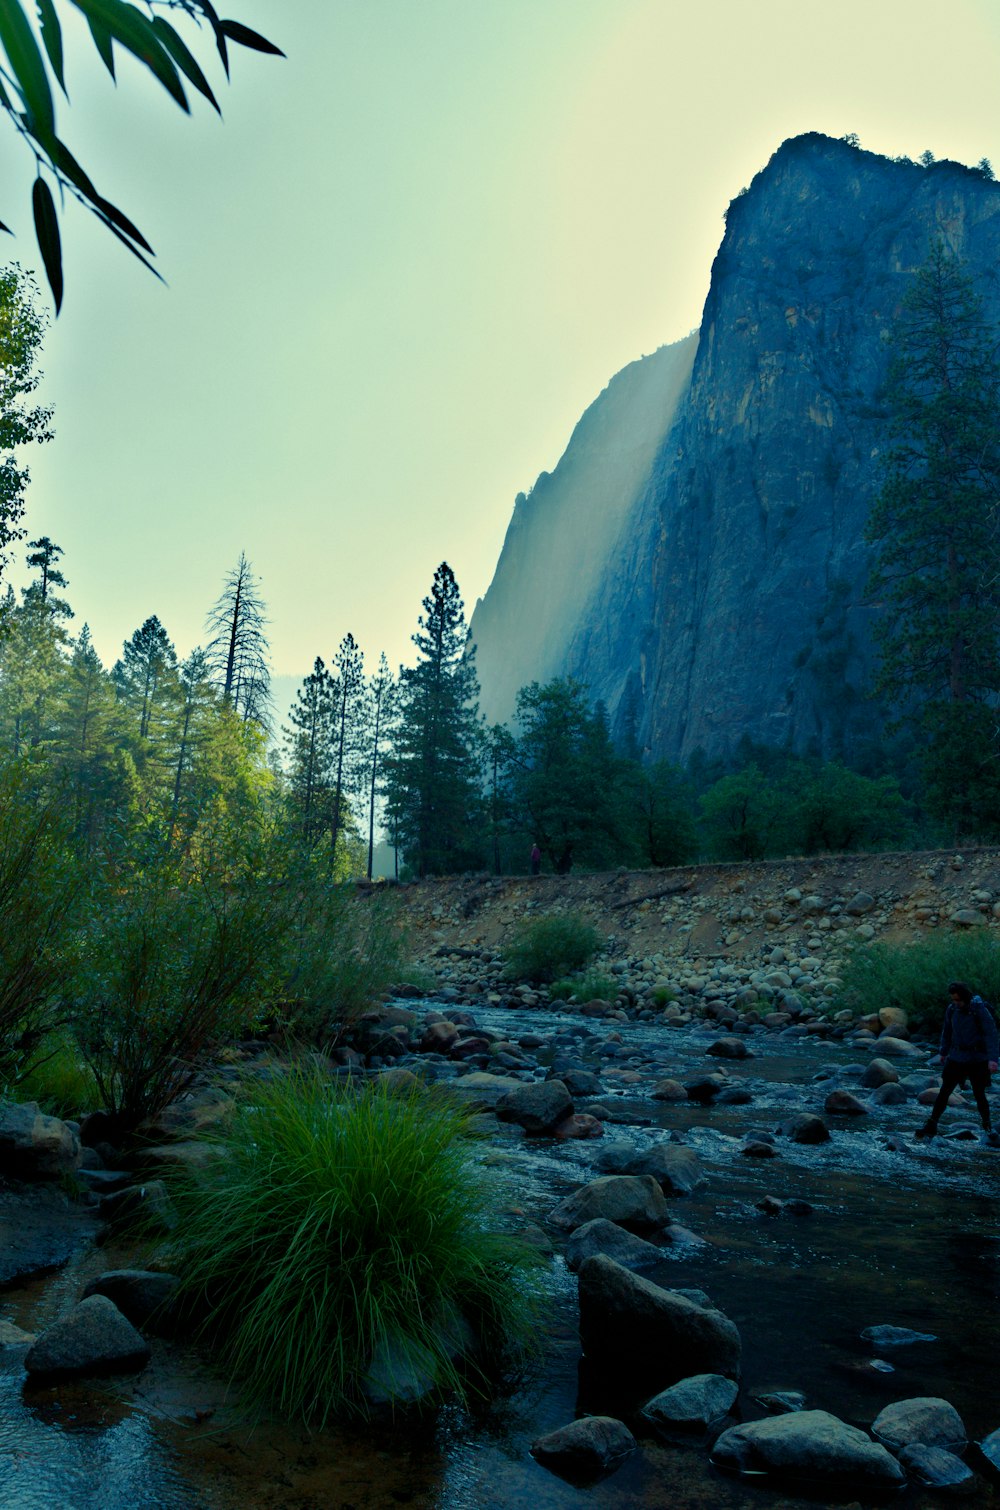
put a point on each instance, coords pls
(35, 64)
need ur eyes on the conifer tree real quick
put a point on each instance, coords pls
(934, 530)
(42, 554)
(197, 702)
(238, 649)
(88, 744)
(308, 744)
(145, 677)
(380, 708)
(434, 796)
(347, 730)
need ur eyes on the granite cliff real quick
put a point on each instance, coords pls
(698, 560)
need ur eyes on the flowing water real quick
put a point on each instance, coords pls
(905, 1236)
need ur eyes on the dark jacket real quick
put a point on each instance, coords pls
(969, 1035)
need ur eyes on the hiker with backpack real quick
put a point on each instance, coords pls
(970, 1049)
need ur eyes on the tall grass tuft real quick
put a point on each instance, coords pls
(915, 976)
(552, 946)
(343, 1225)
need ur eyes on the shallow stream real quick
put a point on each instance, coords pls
(905, 1236)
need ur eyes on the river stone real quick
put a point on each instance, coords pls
(757, 1148)
(729, 1047)
(894, 1017)
(894, 1336)
(694, 1407)
(147, 1207)
(925, 1419)
(899, 1048)
(140, 1295)
(808, 1444)
(481, 1090)
(600, 1236)
(578, 1082)
(878, 1072)
(859, 904)
(990, 1449)
(669, 1090)
(676, 1168)
(841, 1103)
(439, 1037)
(937, 1469)
(780, 1401)
(627, 1322)
(12, 1336)
(399, 1373)
(95, 1338)
(537, 1106)
(805, 1127)
(34, 1146)
(191, 1115)
(634, 1201)
(592, 1445)
(705, 1088)
(578, 1125)
(889, 1095)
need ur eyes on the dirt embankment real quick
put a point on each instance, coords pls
(695, 919)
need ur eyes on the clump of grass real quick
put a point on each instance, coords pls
(60, 1081)
(551, 947)
(915, 976)
(590, 986)
(347, 1224)
(663, 995)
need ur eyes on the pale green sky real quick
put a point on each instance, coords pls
(404, 265)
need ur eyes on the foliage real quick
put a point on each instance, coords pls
(834, 809)
(38, 891)
(238, 650)
(339, 1225)
(915, 976)
(663, 815)
(551, 946)
(60, 1080)
(741, 814)
(22, 328)
(342, 950)
(27, 87)
(934, 529)
(590, 986)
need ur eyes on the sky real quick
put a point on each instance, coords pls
(403, 264)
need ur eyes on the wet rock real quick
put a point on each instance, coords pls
(627, 1322)
(601, 1236)
(861, 903)
(579, 1125)
(841, 1103)
(756, 1148)
(399, 1375)
(95, 1338)
(669, 1090)
(806, 1127)
(937, 1469)
(781, 1401)
(879, 1072)
(733, 1095)
(729, 1047)
(633, 1201)
(146, 1206)
(925, 1419)
(811, 1445)
(696, 1407)
(12, 1336)
(889, 1095)
(899, 1048)
(142, 1296)
(705, 1088)
(34, 1146)
(676, 1168)
(770, 1205)
(481, 1090)
(537, 1106)
(40, 1229)
(990, 1449)
(894, 1336)
(591, 1446)
(578, 1082)
(439, 1037)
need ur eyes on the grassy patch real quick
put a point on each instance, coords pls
(915, 976)
(59, 1081)
(590, 986)
(551, 947)
(345, 1224)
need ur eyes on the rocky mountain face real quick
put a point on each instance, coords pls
(722, 591)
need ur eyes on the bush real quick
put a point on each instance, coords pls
(552, 946)
(38, 889)
(915, 976)
(342, 1223)
(591, 986)
(60, 1081)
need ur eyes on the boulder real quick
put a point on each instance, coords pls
(937, 1469)
(878, 1072)
(578, 1082)
(729, 1047)
(586, 1448)
(34, 1146)
(899, 1048)
(439, 1037)
(859, 904)
(805, 1127)
(480, 1090)
(628, 1323)
(705, 1088)
(399, 1374)
(990, 1449)
(578, 1125)
(633, 1201)
(894, 1017)
(925, 1419)
(841, 1103)
(669, 1090)
(600, 1236)
(695, 1407)
(676, 1168)
(889, 1095)
(95, 1338)
(145, 1298)
(147, 1207)
(537, 1106)
(810, 1445)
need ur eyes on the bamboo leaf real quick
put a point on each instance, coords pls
(135, 33)
(52, 38)
(237, 32)
(47, 232)
(184, 58)
(102, 41)
(28, 67)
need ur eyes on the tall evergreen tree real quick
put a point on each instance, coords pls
(88, 744)
(934, 530)
(238, 649)
(42, 555)
(197, 703)
(145, 676)
(347, 735)
(308, 744)
(434, 796)
(380, 707)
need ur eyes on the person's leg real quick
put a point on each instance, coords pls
(951, 1074)
(979, 1079)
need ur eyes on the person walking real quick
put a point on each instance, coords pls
(536, 860)
(970, 1049)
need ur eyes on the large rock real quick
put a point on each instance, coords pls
(805, 1127)
(481, 1090)
(926, 1419)
(676, 1168)
(585, 1448)
(95, 1338)
(537, 1106)
(840, 1103)
(627, 1322)
(143, 1296)
(34, 1146)
(600, 1236)
(990, 1449)
(811, 1445)
(937, 1469)
(693, 1408)
(879, 1072)
(633, 1201)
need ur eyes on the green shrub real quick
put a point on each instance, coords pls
(552, 946)
(915, 976)
(340, 953)
(663, 995)
(38, 889)
(60, 1081)
(590, 986)
(342, 1222)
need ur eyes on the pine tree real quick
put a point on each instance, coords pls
(238, 649)
(934, 529)
(42, 555)
(145, 677)
(87, 748)
(433, 788)
(380, 706)
(347, 730)
(308, 744)
(197, 704)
